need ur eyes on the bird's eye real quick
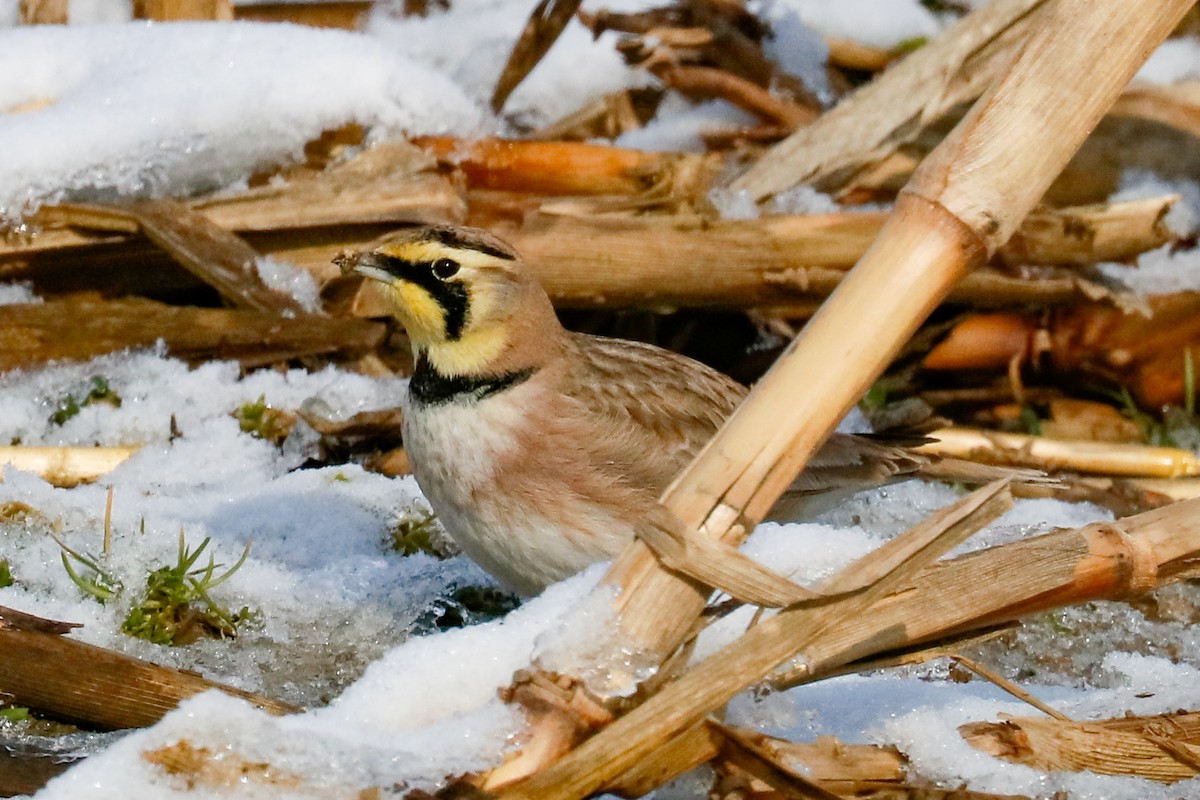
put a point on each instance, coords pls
(445, 268)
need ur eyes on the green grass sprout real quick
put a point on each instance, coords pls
(98, 391)
(178, 608)
(100, 583)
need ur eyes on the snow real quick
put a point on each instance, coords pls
(928, 734)
(574, 71)
(1175, 60)
(346, 623)
(296, 283)
(679, 127)
(17, 294)
(877, 23)
(1167, 269)
(797, 48)
(150, 110)
(339, 611)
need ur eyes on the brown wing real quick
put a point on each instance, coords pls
(656, 408)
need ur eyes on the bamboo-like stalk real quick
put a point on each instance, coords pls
(66, 466)
(1038, 452)
(961, 205)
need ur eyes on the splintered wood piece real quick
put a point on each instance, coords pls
(33, 334)
(952, 68)
(746, 754)
(1039, 452)
(208, 251)
(1144, 354)
(1085, 235)
(1163, 748)
(775, 262)
(78, 682)
(541, 31)
(836, 765)
(64, 466)
(385, 182)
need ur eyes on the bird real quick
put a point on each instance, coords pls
(539, 448)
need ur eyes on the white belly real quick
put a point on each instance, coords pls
(455, 450)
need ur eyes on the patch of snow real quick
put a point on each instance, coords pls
(1160, 271)
(99, 12)
(472, 40)
(143, 109)
(877, 23)
(426, 709)
(289, 279)
(679, 124)
(320, 568)
(1184, 217)
(1164, 270)
(797, 48)
(1173, 61)
(13, 294)
(803, 199)
(733, 204)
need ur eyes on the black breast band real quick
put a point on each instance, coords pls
(430, 387)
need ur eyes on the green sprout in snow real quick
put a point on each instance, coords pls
(178, 608)
(95, 581)
(98, 392)
(261, 420)
(415, 533)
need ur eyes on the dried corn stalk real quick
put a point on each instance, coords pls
(962, 204)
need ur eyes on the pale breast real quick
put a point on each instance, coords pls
(506, 477)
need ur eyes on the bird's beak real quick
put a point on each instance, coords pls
(364, 263)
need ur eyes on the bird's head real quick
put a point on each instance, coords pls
(457, 291)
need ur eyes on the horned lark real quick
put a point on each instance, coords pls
(539, 448)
